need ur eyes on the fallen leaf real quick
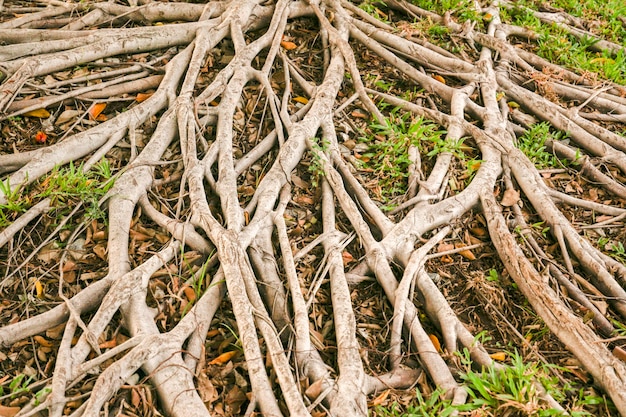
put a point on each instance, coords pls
(347, 257)
(498, 356)
(288, 45)
(190, 294)
(42, 341)
(9, 411)
(510, 198)
(380, 400)
(235, 399)
(439, 78)
(41, 137)
(143, 97)
(96, 109)
(619, 353)
(39, 288)
(206, 389)
(39, 113)
(66, 116)
(467, 254)
(109, 344)
(359, 115)
(301, 99)
(435, 342)
(223, 358)
(315, 389)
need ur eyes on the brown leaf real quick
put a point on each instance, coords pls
(510, 198)
(235, 399)
(315, 389)
(206, 389)
(100, 251)
(189, 293)
(380, 400)
(42, 341)
(8, 411)
(467, 254)
(619, 353)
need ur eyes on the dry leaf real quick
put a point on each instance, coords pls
(359, 115)
(439, 78)
(315, 389)
(288, 45)
(467, 254)
(206, 389)
(42, 341)
(96, 109)
(109, 344)
(510, 198)
(223, 358)
(380, 400)
(100, 252)
(39, 288)
(235, 399)
(66, 116)
(190, 294)
(41, 137)
(619, 353)
(435, 342)
(143, 97)
(498, 356)
(301, 99)
(39, 113)
(9, 411)
(347, 257)
(444, 247)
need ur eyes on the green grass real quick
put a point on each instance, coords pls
(510, 391)
(388, 146)
(533, 144)
(557, 46)
(66, 186)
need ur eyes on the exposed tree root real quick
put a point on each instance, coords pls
(249, 107)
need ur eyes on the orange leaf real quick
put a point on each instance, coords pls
(143, 97)
(498, 356)
(190, 294)
(300, 99)
(39, 113)
(439, 78)
(288, 45)
(223, 358)
(347, 257)
(467, 254)
(435, 342)
(9, 411)
(41, 137)
(109, 344)
(380, 399)
(96, 109)
(39, 289)
(359, 114)
(42, 341)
